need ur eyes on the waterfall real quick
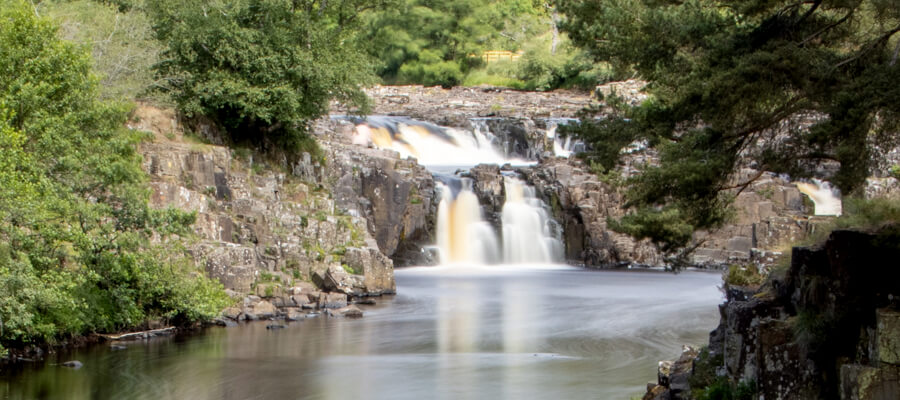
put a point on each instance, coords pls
(827, 199)
(529, 234)
(562, 147)
(464, 237)
(462, 234)
(437, 148)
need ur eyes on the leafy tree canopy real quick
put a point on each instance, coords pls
(432, 42)
(796, 87)
(76, 254)
(263, 69)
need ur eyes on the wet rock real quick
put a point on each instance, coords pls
(887, 337)
(347, 312)
(332, 300)
(231, 313)
(264, 310)
(74, 364)
(274, 326)
(335, 278)
(861, 382)
(227, 323)
(656, 392)
(376, 268)
(294, 314)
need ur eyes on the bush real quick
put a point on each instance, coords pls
(75, 222)
(122, 43)
(747, 275)
(262, 69)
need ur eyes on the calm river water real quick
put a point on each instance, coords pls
(511, 332)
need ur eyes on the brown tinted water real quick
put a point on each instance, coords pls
(510, 332)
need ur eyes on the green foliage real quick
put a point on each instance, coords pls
(122, 43)
(262, 69)
(738, 275)
(706, 385)
(75, 224)
(739, 77)
(704, 374)
(350, 270)
(895, 172)
(439, 42)
(722, 389)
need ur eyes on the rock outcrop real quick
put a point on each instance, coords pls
(827, 328)
(263, 230)
(771, 213)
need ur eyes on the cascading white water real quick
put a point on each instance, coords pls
(827, 199)
(561, 148)
(462, 234)
(437, 148)
(529, 234)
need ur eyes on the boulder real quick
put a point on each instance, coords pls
(860, 382)
(294, 314)
(887, 336)
(346, 312)
(231, 313)
(332, 300)
(74, 364)
(264, 309)
(377, 270)
(335, 278)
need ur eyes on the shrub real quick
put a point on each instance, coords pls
(262, 69)
(747, 275)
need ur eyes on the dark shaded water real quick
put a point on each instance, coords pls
(510, 332)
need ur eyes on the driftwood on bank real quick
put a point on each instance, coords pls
(140, 335)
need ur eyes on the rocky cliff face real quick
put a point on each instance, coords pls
(289, 237)
(771, 214)
(827, 328)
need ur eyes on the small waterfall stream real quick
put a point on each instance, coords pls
(827, 199)
(463, 236)
(530, 235)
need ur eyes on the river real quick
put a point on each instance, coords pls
(499, 332)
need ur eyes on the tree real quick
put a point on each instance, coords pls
(76, 253)
(433, 42)
(796, 87)
(262, 69)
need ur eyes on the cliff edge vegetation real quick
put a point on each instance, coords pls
(81, 250)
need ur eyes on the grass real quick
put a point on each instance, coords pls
(743, 275)
(350, 270)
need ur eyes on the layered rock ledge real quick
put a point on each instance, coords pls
(828, 327)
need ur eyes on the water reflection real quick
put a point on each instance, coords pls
(454, 333)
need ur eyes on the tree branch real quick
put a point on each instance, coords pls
(869, 47)
(827, 28)
(896, 51)
(809, 12)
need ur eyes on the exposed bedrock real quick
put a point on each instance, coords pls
(771, 213)
(826, 328)
(264, 230)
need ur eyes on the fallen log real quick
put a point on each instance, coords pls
(140, 335)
